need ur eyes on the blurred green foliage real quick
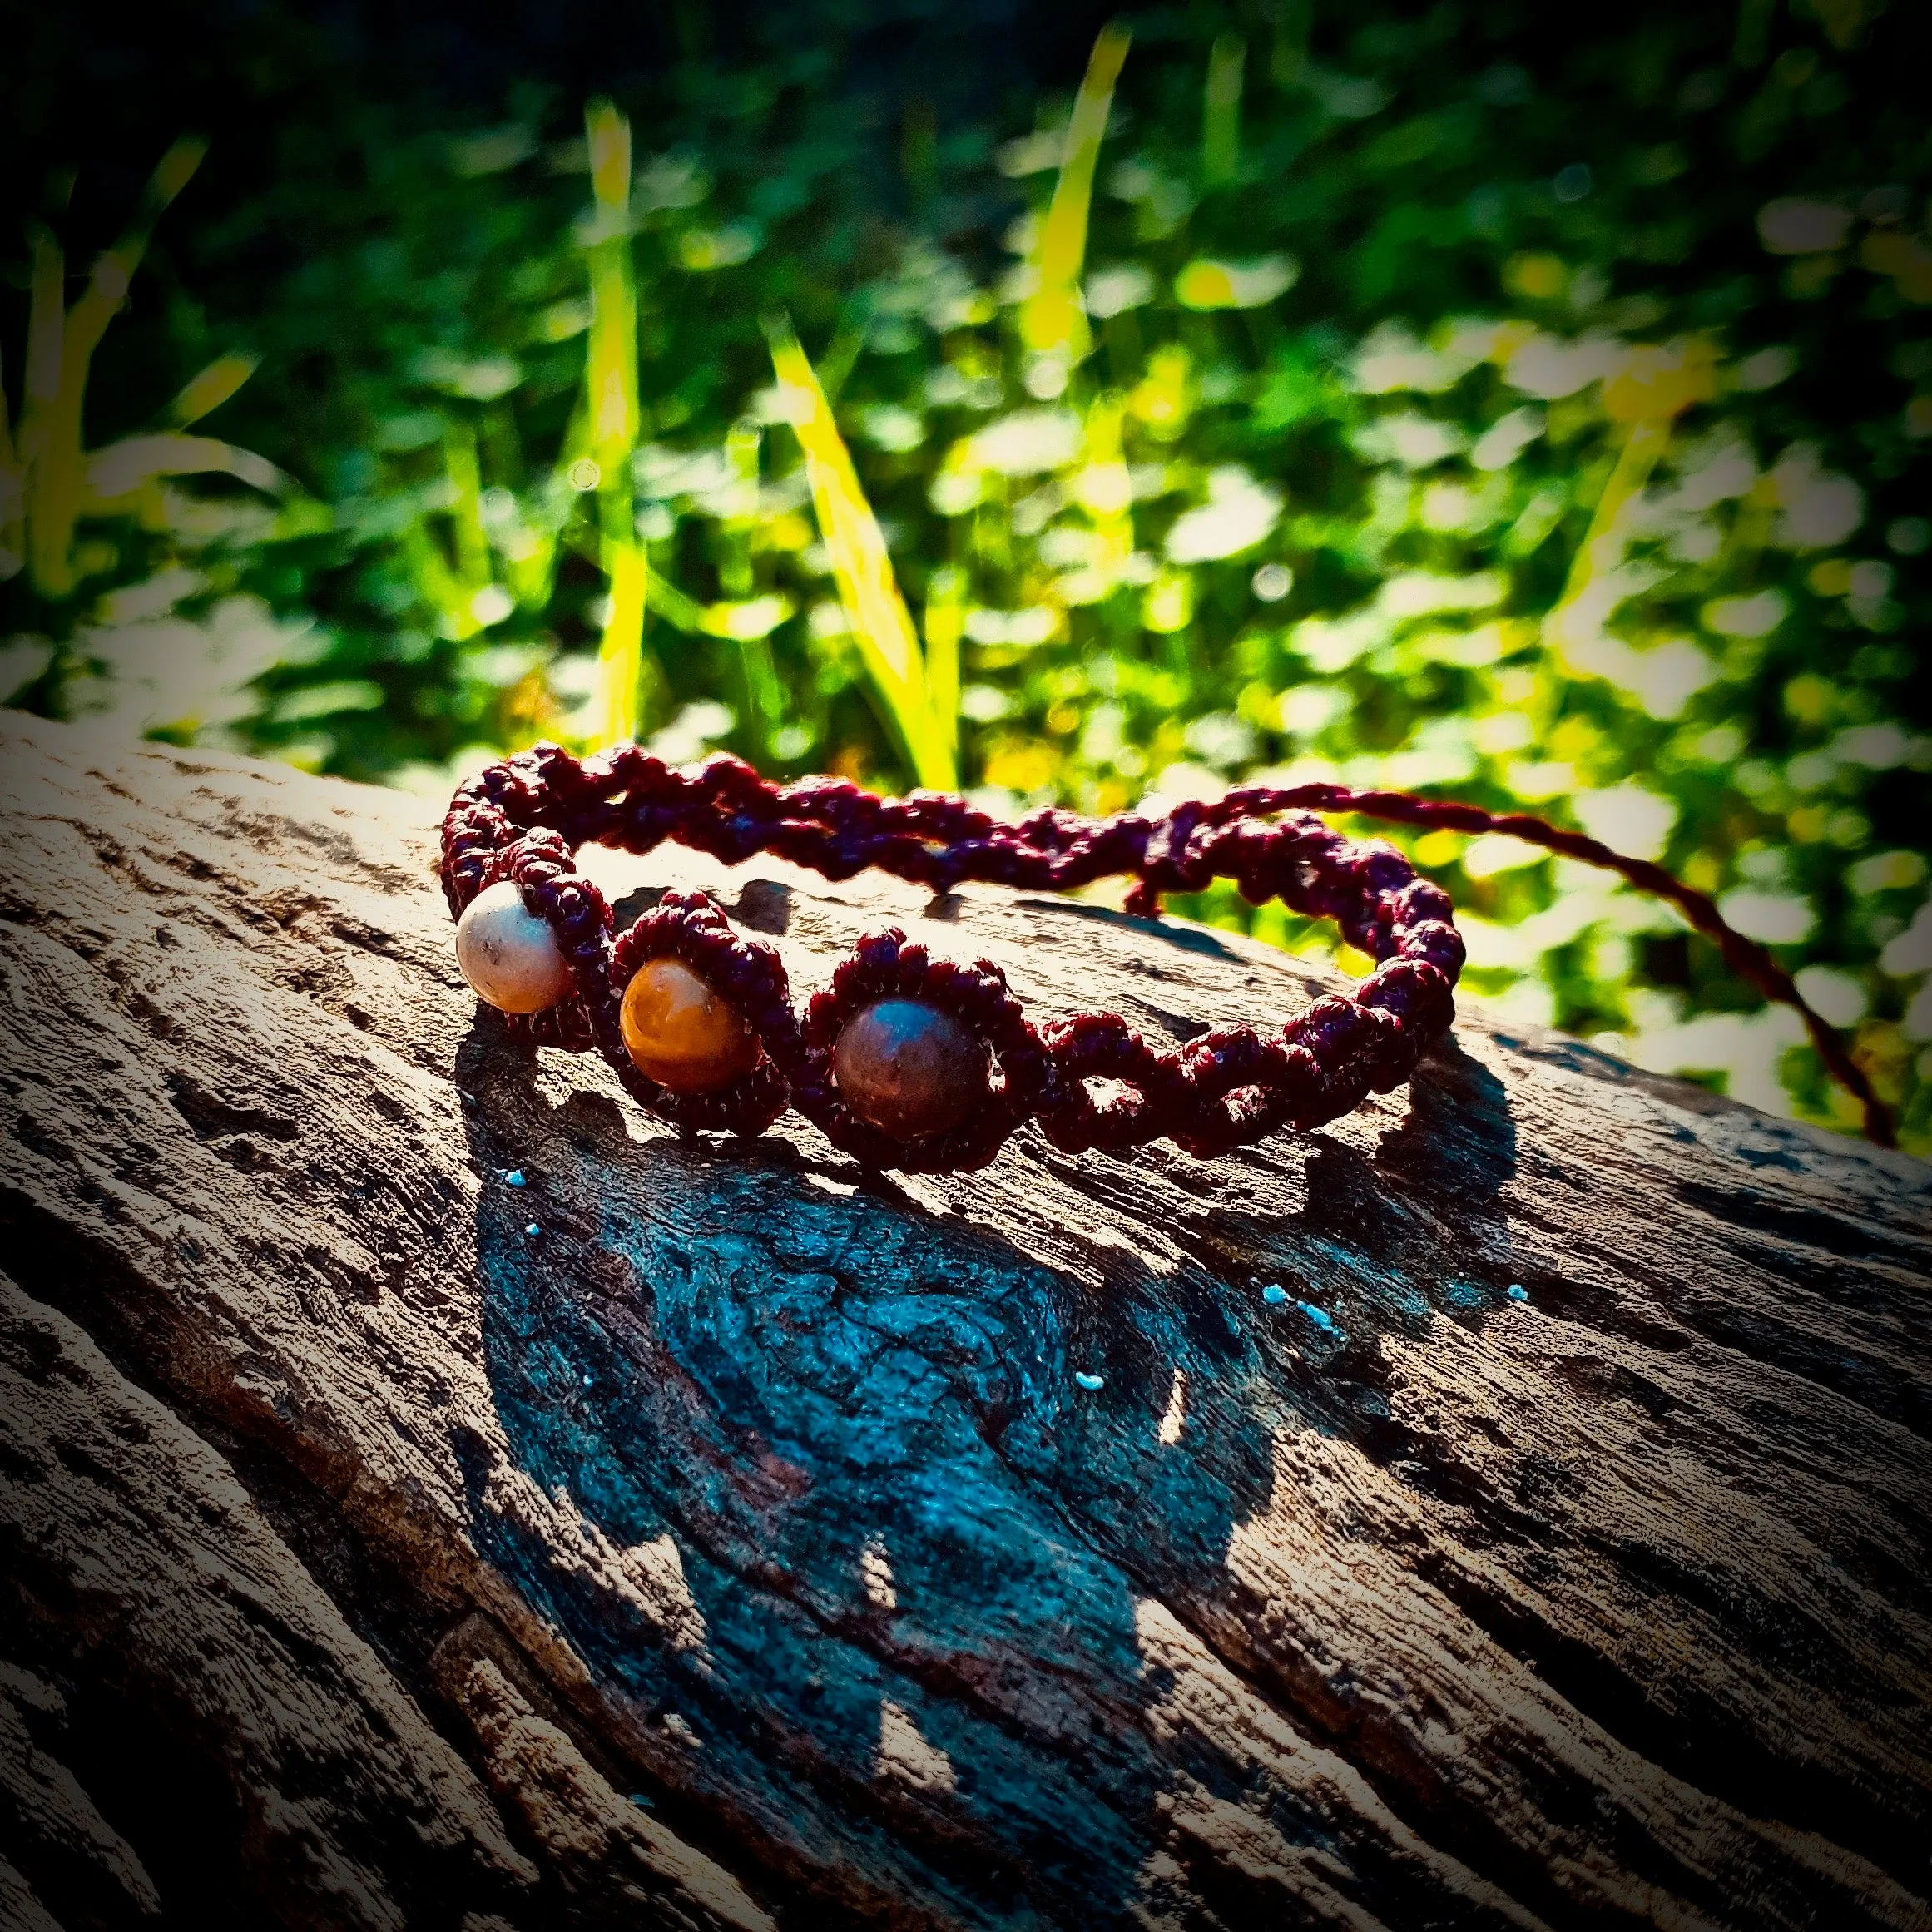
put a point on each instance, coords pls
(1408, 404)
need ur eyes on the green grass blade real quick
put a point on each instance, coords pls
(435, 579)
(45, 320)
(46, 547)
(547, 514)
(1220, 111)
(460, 465)
(669, 603)
(842, 353)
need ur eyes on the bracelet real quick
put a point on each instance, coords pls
(927, 1065)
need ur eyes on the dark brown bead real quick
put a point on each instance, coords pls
(910, 1068)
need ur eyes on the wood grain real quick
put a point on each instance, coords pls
(739, 1548)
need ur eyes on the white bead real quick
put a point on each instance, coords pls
(508, 954)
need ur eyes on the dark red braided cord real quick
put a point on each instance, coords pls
(1744, 957)
(523, 820)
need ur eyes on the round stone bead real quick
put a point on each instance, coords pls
(909, 1068)
(681, 1032)
(508, 954)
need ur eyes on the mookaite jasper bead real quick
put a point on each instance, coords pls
(681, 1032)
(909, 1068)
(508, 954)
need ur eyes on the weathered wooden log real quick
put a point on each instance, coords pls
(713, 1534)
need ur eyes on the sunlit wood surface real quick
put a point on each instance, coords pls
(704, 1534)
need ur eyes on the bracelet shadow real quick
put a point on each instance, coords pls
(870, 1556)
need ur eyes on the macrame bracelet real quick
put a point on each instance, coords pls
(924, 1064)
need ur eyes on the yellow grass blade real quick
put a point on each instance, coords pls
(1647, 393)
(620, 654)
(608, 136)
(210, 388)
(862, 568)
(1103, 488)
(612, 396)
(55, 475)
(175, 170)
(114, 269)
(613, 330)
(945, 624)
(1052, 320)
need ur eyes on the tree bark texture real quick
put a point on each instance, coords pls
(708, 1535)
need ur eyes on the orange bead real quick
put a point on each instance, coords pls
(909, 1068)
(681, 1032)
